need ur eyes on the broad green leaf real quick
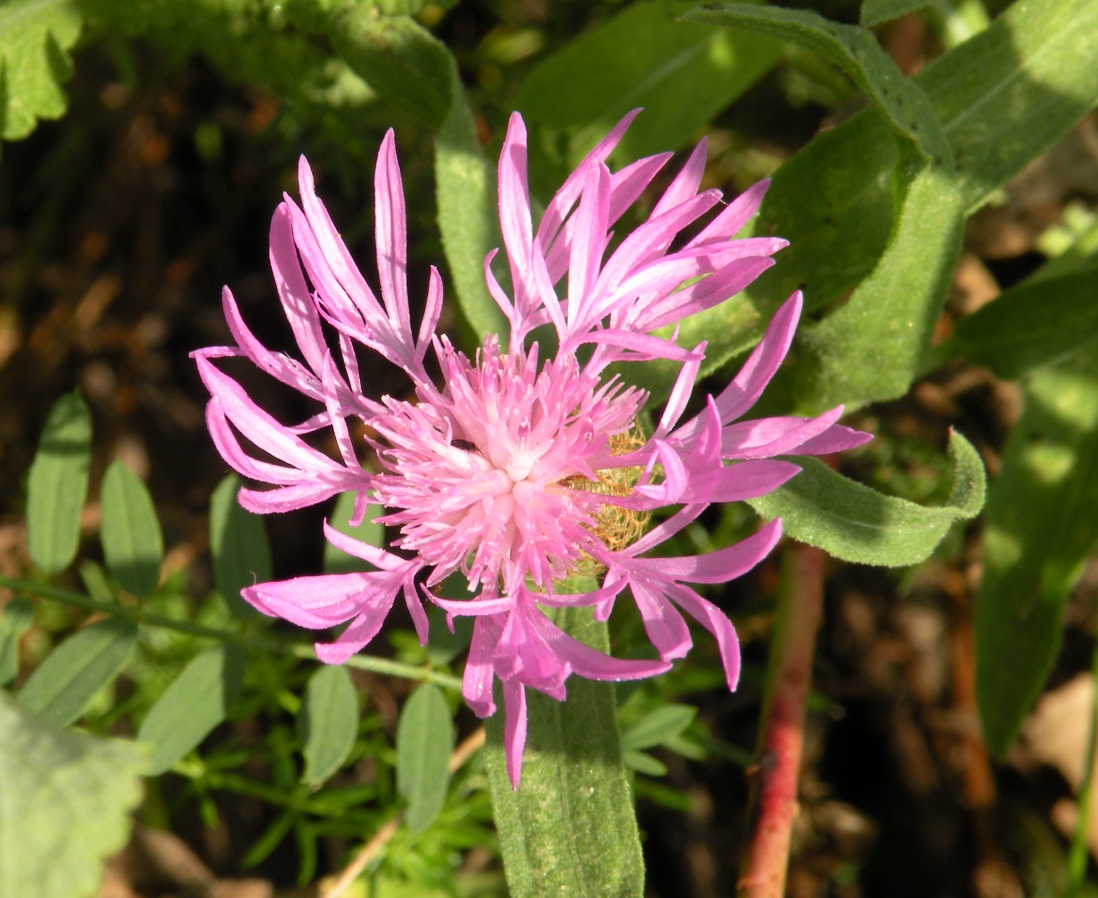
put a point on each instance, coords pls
(327, 722)
(900, 101)
(1034, 324)
(239, 546)
(64, 805)
(58, 484)
(63, 685)
(1039, 529)
(198, 700)
(855, 523)
(870, 348)
(656, 728)
(682, 74)
(570, 829)
(336, 561)
(424, 742)
(132, 542)
(35, 39)
(874, 12)
(467, 220)
(398, 58)
(15, 620)
(1037, 63)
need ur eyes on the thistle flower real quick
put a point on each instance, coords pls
(519, 470)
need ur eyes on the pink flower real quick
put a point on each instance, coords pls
(519, 471)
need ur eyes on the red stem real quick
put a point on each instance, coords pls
(781, 738)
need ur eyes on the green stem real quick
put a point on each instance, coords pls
(256, 641)
(1079, 853)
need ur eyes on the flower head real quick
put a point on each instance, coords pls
(518, 469)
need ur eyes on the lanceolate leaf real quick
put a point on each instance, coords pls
(193, 705)
(901, 102)
(15, 620)
(680, 73)
(570, 830)
(466, 211)
(238, 543)
(58, 484)
(425, 739)
(327, 722)
(855, 523)
(64, 807)
(63, 685)
(1034, 324)
(1040, 528)
(871, 347)
(132, 542)
(1037, 63)
(35, 39)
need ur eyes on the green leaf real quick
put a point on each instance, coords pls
(855, 523)
(662, 724)
(327, 723)
(132, 542)
(643, 763)
(63, 685)
(35, 39)
(16, 619)
(466, 211)
(198, 700)
(874, 12)
(424, 742)
(398, 58)
(65, 807)
(680, 73)
(905, 107)
(1037, 63)
(239, 546)
(336, 561)
(58, 484)
(1034, 324)
(870, 349)
(1040, 527)
(570, 829)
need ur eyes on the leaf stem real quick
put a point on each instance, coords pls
(261, 642)
(781, 737)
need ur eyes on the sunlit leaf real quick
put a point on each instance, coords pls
(66, 803)
(62, 686)
(132, 542)
(425, 740)
(58, 484)
(327, 722)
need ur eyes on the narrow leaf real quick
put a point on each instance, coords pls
(16, 619)
(466, 211)
(874, 12)
(336, 561)
(198, 700)
(664, 723)
(35, 39)
(132, 542)
(424, 742)
(855, 523)
(681, 73)
(66, 803)
(1040, 528)
(900, 101)
(398, 58)
(63, 685)
(58, 484)
(1034, 324)
(870, 349)
(327, 723)
(570, 830)
(239, 546)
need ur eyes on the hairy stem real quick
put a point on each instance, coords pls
(781, 736)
